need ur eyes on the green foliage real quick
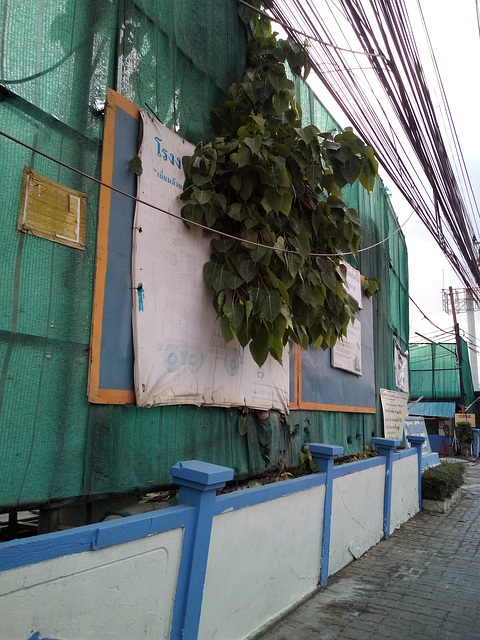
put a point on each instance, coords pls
(362, 455)
(306, 465)
(277, 186)
(135, 165)
(371, 286)
(441, 482)
(464, 432)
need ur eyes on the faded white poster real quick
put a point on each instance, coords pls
(394, 406)
(180, 354)
(347, 352)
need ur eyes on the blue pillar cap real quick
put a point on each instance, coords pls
(475, 430)
(201, 473)
(416, 439)
(386, 443)
(325, 450)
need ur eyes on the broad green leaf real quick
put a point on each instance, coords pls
(227, 332)
(259, 122)
(247, 269)
(279, 327)
(269, 304)
(246, 189)
(366, 177)
(187, 164)
(135, 165)
(220, 200)
(273, 199)
(351, 168)
(369, 154)
(211, 215)
(294, 262)
(236, 211)
(258, 253)
(254, 295)
(243, 156)
(248, 309)
(214, 274)
(302, 244)
(275, 349)
(235, 312)
(280, 82)
(199, 180)
(193, 212)
(233, 281)
(254, 144)
(286, 206)
(223, 245)
(202, 196)
(236, 181)
(218, 301)
(306, 293)
(259, 350)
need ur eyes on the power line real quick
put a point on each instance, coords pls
(192, 222)
(381, 25)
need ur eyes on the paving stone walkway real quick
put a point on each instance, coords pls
(424, 582)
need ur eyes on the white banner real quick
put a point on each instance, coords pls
(180, 354)
(394, 405)
(354, 284)
(347, 352)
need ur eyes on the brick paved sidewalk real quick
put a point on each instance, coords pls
(424, 582)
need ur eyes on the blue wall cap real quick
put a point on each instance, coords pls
(476, 430)
(416, 439)
(325, 450)
(386, 443)
(199, 472)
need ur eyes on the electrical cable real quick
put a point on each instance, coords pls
(387, 28)
(191, 222)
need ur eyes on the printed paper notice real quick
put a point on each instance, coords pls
(394, 406)
(347, 353)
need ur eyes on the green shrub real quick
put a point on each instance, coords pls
(441, 482)
(464, 432)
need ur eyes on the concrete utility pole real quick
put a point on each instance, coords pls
(472, 336)
(459, 352)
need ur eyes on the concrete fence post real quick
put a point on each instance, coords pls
(324, 455)
(386, 447)
(417, 442)
(476, 442)
(198, 482)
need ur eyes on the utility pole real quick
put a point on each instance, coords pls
(472, 335)
(459, 352)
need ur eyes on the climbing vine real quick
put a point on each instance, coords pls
(275, 187)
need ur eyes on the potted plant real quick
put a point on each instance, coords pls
(464, 437)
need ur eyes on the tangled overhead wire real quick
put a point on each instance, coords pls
(390, 105)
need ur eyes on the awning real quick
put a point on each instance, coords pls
(432, 409)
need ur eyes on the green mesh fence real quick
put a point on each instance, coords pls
(435, 373)
(178, 57)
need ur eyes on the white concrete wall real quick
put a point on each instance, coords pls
(262, 560)
(125, 591)
(404, 491)
(357, 515)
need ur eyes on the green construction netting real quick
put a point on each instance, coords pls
(177, 56)
(435, 372)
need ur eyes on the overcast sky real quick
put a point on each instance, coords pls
(455, 40)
